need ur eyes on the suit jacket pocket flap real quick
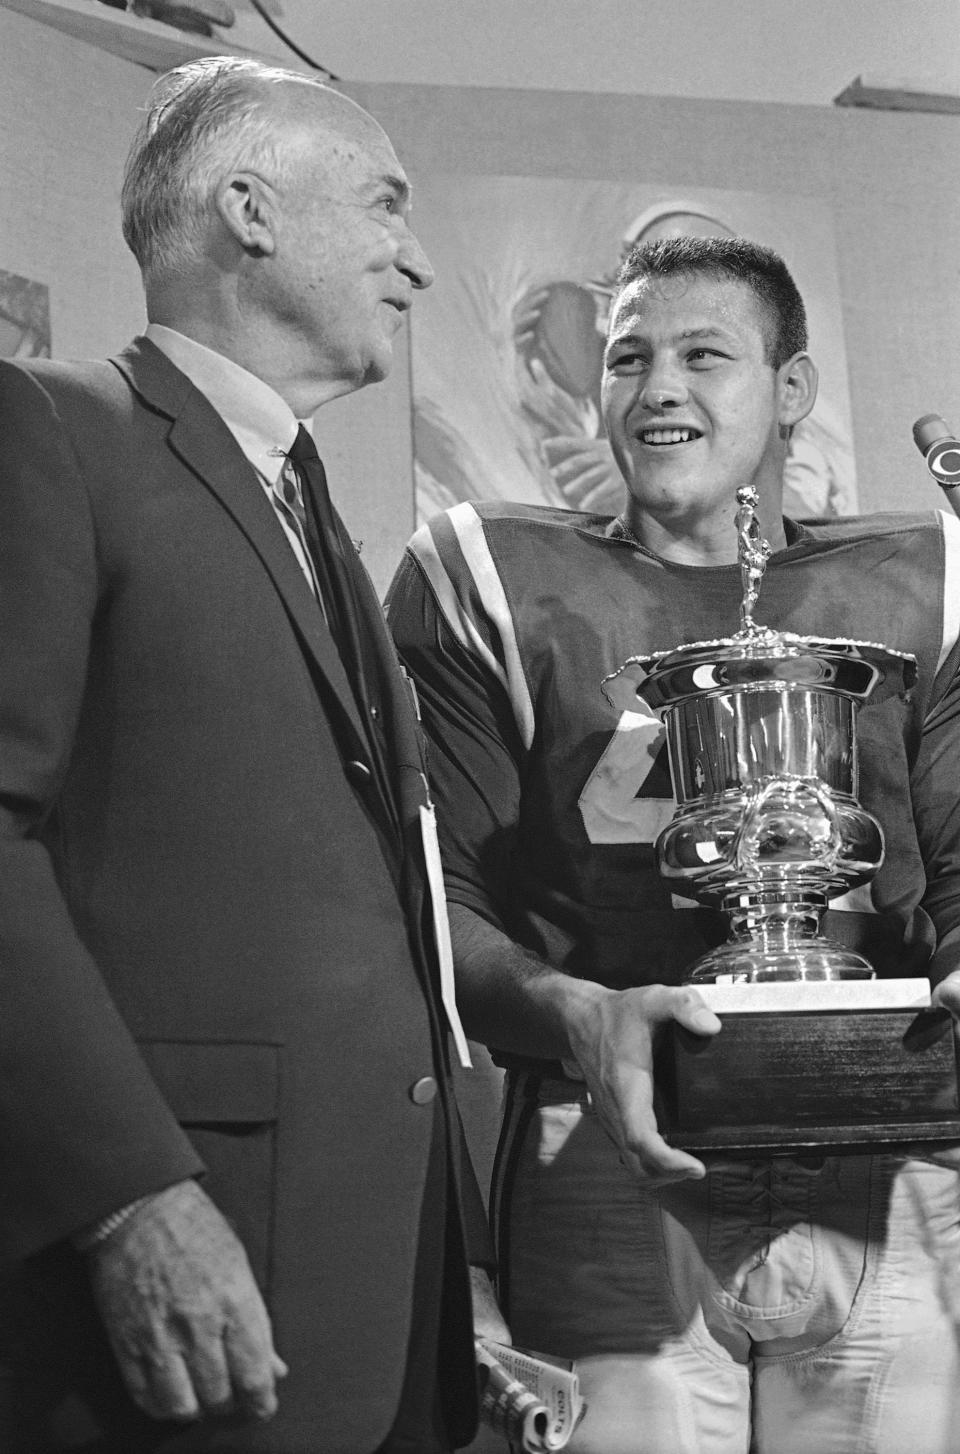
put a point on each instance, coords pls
(216, 1082)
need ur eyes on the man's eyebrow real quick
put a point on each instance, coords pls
(397, 184)
(713, 330)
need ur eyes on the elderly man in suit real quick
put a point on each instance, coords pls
(226, 1124)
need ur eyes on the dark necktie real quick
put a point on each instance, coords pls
(287, 491)
(326, 548)
(342, 587)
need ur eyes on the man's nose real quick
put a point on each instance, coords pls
(663, 388)
(414, 263)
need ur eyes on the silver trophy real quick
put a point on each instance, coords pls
(762, 736)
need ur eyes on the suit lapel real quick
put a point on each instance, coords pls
(201, 439)
(371, 647)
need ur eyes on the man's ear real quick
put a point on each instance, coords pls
(797, 381)
(244, 204)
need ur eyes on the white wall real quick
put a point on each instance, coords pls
(794, 51)
(67, 113)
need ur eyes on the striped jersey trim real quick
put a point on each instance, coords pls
(505, 663)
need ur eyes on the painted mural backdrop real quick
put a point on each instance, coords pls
(507, 344)
(24, 317)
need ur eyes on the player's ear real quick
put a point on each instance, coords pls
(796, 388)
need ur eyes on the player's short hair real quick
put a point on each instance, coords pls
(202, 120)
(762, 270)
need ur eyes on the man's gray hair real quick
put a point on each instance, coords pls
(202, 120)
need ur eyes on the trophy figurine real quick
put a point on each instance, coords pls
(762, 737)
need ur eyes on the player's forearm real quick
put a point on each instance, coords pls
(511, 1000)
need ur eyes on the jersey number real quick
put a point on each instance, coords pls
(611, 806)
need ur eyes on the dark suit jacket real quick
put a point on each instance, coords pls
(211, 911)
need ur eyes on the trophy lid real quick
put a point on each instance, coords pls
(770, 659)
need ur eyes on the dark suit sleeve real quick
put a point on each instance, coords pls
(83, 1128)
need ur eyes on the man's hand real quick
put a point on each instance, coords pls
(184, 1315)
(487, 1318)
(513, 1000)
(946, 995)
(612, 1039)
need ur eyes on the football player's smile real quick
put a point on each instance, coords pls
(659, 437)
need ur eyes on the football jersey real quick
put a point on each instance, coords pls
(550, 797)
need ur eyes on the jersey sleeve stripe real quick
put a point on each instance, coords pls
(486, 578)
(951, 585)
(470, 560)
(424, 547)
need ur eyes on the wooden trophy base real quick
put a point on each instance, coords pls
(811, 1066)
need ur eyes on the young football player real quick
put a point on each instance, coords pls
(782, 1304)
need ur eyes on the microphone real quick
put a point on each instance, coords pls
(940, 450)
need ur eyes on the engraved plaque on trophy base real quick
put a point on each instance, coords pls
(825, 1068)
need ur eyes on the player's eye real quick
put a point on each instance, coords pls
(625, 362)
(705, 356)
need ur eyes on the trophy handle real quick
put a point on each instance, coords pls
(797, 816)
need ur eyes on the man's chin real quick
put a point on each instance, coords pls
(377, 367)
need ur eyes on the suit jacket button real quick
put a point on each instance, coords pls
(359, 773)
(423, 1090)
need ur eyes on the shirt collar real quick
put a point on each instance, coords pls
(260, 421)
(618, 529)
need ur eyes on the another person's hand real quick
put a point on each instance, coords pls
(946, 995)
(585, 471)
(526, 318)
(613, 1042)
(488, 1321)
(185, 1318)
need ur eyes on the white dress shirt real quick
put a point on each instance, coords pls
(260, 421)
